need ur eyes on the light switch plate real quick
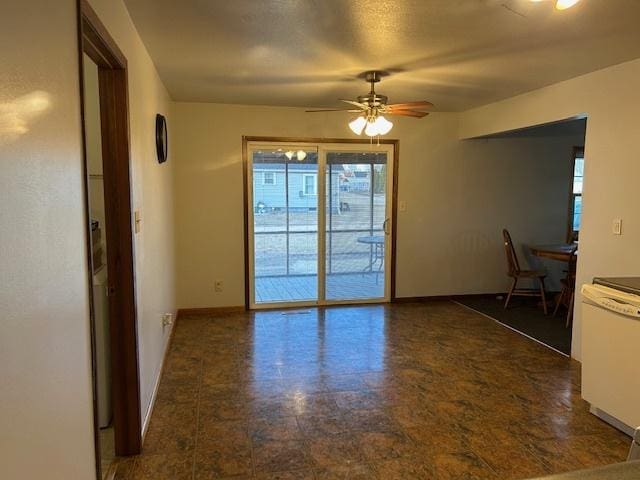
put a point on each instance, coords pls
(617, 226)
(136, 221)
(402, 206)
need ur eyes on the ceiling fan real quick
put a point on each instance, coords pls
(562, 4)
(373, 106)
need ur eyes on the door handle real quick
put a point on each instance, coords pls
(385, 227)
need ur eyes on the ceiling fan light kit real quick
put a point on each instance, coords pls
(564, 4)
(372, 107)
(561, 4)
(357, 125)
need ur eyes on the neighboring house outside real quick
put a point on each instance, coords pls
(269, 192)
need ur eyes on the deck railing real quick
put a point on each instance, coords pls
(330, 248)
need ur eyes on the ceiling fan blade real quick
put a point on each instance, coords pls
(409, 105)
(363, 106)
(331, 110)
(407, 113)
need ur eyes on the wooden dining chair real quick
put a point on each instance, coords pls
(516, 273)
(568, 291)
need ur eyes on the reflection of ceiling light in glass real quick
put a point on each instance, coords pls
(300, 154)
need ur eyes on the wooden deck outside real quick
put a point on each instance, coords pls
(295, 288)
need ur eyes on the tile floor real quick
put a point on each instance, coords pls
(107, 450)
(409, 391)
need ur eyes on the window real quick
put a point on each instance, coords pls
(575, 206)
(309, 182)
(268, 178)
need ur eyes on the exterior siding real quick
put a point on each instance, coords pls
(272, 196)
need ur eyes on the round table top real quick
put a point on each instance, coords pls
(372, 239)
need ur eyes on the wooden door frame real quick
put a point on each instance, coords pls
(394, 198)
(95, 41)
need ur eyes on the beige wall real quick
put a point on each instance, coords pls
(152, 196)
(459, 196)
(45, 378)
(610, 98)
(46, 403)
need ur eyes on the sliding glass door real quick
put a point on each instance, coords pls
(356, 225)
(285, 224)
(319, 223)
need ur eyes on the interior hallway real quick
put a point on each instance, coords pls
(429, 390)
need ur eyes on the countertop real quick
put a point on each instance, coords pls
(618, 471)
(625, 284)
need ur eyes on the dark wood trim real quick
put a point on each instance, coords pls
(245, 206)
(248, 138)
(88, 248)
(424, 299)
(394, 216)
(97, 43)
(189, 312)
(394, 197)
(464, 296)
(114, 112)
(452, 298)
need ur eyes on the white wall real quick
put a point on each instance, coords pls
(152, 185)
(610, 98)
(45, 378)
(459, 195)
(46, 403)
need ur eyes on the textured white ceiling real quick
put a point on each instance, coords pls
(456, 53)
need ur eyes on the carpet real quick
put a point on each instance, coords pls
(525, 316)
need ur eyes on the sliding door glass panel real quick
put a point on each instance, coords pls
(285, 225)
(355, 215)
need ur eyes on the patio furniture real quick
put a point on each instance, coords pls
(376, 252)
(516, 273)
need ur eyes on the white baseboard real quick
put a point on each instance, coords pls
(154, 394)
(611, 420)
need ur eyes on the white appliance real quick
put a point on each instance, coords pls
(610, 350)
(103, 347)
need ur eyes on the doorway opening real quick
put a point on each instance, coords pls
(544, 223)
(105, 125)
(319, 221)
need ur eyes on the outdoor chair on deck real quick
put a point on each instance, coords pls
(516, 273)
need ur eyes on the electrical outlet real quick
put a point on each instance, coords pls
(167, 319)
(617, 226)
(219, 286)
